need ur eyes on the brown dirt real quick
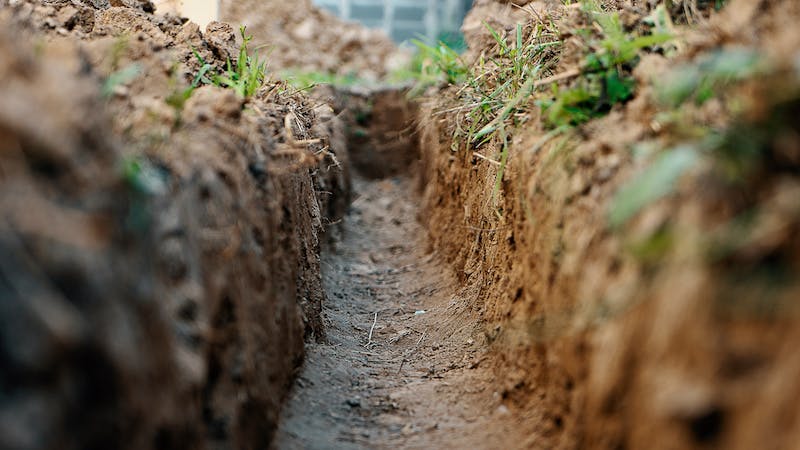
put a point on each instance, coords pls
(422, 380)
(380, 125)
(613, 350)
(136, 306)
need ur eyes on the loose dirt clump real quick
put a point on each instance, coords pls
(161, 249)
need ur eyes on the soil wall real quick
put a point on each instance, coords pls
(606, 342)
(380, 125)
(159, 259)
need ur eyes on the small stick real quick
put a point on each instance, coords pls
(489, 160)
(416, 347)
(374, 322)
(559, 77)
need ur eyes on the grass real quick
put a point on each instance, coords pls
(706, 77)
(439, 63)
(119, 78)
(605, 77)
(656, 181)
(512, 74)
(245, 77)
(119, 75)
(503, 87)
(303, 80)
(432, 65)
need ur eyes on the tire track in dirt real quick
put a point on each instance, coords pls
(423, 380)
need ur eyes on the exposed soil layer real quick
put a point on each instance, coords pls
(616, 343)
(381, 129)
(160, 260)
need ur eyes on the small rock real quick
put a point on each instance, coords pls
(354, 402)
(304, 31)
(409, 429)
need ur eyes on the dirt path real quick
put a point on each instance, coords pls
(423, 379)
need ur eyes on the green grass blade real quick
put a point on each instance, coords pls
(657, 181)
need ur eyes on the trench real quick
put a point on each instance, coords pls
(405, 362)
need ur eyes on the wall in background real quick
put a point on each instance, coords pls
(403, 19)
(200, 12)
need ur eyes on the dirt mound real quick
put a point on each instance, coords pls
(296, 35)
(672, 328)
(160, 254)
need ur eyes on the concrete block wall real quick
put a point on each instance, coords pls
(200, 12)
(402, 19)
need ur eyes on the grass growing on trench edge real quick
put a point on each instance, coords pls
(245, 77)
(508, 84)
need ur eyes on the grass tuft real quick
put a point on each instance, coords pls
(245, 77)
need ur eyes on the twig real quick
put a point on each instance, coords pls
(419, 341)
(458, 108)
(489, 160)
(416, 347)
(287, 124)
(561, 76)
(374, 322)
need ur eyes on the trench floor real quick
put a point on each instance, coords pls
(405, 363)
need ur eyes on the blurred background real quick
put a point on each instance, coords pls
(405, 19)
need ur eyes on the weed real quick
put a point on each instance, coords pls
(178, 94)
(655, 182)
(305, 80)
(178, 97)
(144, 181)
(118, 49)
(142, 176)
(704, 78)
(118, 78)
(652, 249)
(245, 77)
(435, 62)
(431, 66)
(605, 75)
(508, 80)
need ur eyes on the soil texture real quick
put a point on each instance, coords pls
(405, 363)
